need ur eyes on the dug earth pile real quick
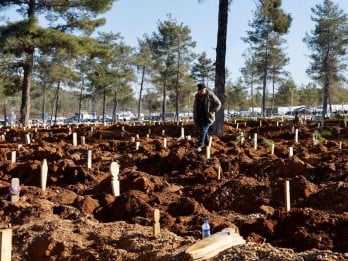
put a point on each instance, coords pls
(240, 185)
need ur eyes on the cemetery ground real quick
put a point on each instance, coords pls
(241, 184)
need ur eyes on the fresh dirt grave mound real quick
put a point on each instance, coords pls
(236, 186)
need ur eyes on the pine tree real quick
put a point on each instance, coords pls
(172, 53)
(269, 23)
(328, 43)
(203, 70)
(21, 39)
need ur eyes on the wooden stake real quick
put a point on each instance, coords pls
(6, 244)
(287, 195)
(74, 139)
(207, 152)
(13, 156)
(89, 159)
(296, 136)
(156, 223)
(44, 170)
(291, 152)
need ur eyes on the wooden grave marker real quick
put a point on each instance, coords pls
(14, 190)
(74, 141)
(89, 159)
(156, 223)
(137, 145)
(115, 183)
(27, 138)
(216, 243)
(13, 156)
(6, 244)
(287, 195)
(44, 171)
(296, 136)
(291, 152)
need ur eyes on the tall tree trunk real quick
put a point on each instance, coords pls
(25, 104)
(114, 108)
(57, 103)
(28, 72)
(80, 100)
(104, 105)
(5, 112)
(264, 84)
(44, 104)
(177, 91)
(164, 99)
(252, 93)
(141, 90)
(53, 107)
(218, 126)
(273, 96)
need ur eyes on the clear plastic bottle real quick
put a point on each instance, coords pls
(205, 229)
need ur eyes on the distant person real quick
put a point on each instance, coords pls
(205, 106)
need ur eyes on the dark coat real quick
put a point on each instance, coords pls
(211, 105)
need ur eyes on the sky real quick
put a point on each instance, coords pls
(134, 18)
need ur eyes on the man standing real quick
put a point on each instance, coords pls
(205, 106)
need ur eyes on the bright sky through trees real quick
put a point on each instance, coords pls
(134, 18)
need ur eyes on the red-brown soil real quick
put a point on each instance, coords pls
(78, 218)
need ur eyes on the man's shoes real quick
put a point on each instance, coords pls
(198, 149)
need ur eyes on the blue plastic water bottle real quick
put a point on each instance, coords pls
(205, 229)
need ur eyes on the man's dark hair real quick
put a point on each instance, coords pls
(201, 86)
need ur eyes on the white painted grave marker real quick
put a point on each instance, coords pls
(340, 145)
(296, 136)
(272, 149)
(14, 190)
(13, 156)
(6, 244)
(115, 183)
(255, 141)
(210, 141)
(89, 159)
(137, 145)
(219, 173)
(163, 132)
(164, 142)
(287, 195)
(208, 152)
(291, 152)
(44, 171)
(182, 136)
(83, 140)
(27, 139)
(74, 139)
